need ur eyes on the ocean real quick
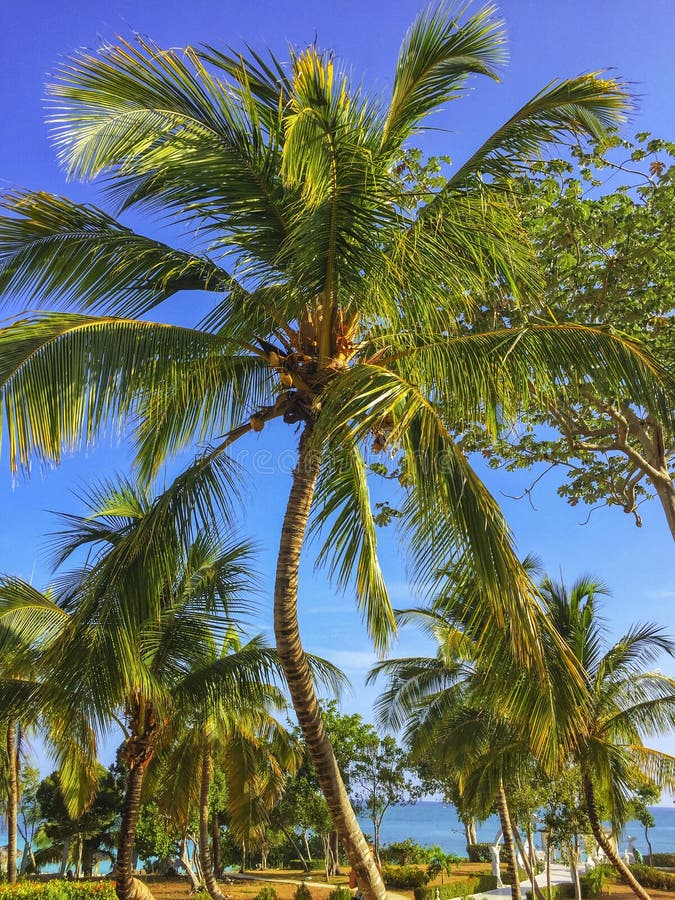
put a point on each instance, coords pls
(431, 823)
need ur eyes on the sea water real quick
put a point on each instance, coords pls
(430, 823)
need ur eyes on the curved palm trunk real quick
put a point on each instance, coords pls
(12, 801)
(507, 834)
(204, 849)
(298, 675)
(126, 886)
(601, 838)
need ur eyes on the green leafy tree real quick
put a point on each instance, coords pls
(156, 836)
(565, 819)
(380, 779)
(604, 232)
(335, 302)
(647, 794)
(78, 839)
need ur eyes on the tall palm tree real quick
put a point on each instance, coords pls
(624, 702)
(335, 301)
(139, 625)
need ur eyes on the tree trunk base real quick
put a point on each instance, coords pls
(139, 891)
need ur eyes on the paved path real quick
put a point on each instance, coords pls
(310, 882)
(559, 875)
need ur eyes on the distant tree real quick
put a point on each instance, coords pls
(646, 795)
(76, 840)
(28, 815)
(156, 835)
(382, 777)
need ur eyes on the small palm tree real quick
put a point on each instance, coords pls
(250, 746)
(454, 712)
(623, 703)
(21, 650)
(335, 302)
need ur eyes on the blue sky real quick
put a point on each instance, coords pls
(547, 39)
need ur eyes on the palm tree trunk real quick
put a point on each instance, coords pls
(126, 886)
(65, 855)
(507, 834)
(204, 849)
(12, 801)
(215, 843)
(527, 865)
(299, 677)
(601, 838)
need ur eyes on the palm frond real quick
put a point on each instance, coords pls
(581, 107)
(342, 506)
(439, 53)
(58, 252)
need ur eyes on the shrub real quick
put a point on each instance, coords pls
(302, 892)
(267, 893)
(340, 893)
(481, 853)
(404, 876)
(664, 859)
(447, 891)
(402, 853)
(57, 889)
(558, 892)
(650, 877)
(595, 879)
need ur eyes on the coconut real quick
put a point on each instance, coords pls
(286, 379)
(257, 422)
(273, 358)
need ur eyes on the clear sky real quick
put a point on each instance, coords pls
(548, 39)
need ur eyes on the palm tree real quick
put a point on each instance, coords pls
(21, 650)
(453, 710)
(623, 703)
(336, 297)
(139, 625)
(252, 749)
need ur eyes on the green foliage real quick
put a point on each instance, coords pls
(267, 893)
(604, 233)
(402, 853)
(464, 888)
(302, 892)
(667, 860)
(650, 877)
(59, 890)
(481, 852)
(155, 837)
(594, 881)
(405, 876)
(558, 892)
(340, 893)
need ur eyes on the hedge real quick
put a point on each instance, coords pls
(476, 885)
(58, 889)
(650, 877)
(558, 892)
(405, 876)
(662, 859)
